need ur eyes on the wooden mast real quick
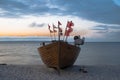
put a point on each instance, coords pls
(59, 49)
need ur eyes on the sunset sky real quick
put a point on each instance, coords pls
(97, 20)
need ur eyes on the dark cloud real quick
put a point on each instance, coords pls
(110, 32)
(104, 28)
(100, 27)
(18, 8)
(114, 27)
(34, 24)
(104, 11)
(12, 8)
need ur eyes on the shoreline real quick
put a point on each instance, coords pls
(41, 72)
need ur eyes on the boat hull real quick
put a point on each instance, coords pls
(59, 54)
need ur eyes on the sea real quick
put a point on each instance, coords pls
(92, 53)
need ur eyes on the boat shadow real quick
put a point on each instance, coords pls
(75, 68)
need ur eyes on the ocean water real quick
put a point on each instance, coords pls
(92, 53)
(100, 53)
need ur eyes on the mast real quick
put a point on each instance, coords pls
(59, 49)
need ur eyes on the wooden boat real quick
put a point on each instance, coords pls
(59, 54)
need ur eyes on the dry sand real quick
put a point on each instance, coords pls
(40, 72)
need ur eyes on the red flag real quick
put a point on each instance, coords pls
(59, 23)
(70, 30)
(69, 24)
(67, 32)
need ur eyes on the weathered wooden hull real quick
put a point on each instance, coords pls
(59, 54)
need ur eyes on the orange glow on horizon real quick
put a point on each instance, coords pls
(25, 34)
(44, 33)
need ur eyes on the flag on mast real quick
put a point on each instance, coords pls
(50, 29)
(48, 26)
(70, 24)
(59, 23)
(68, 29)
(67, 32)
(54, 27)
(60, 31)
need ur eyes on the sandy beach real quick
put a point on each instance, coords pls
(41, 72)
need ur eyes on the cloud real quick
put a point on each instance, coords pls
(109, 32)
(34, 24)
(104, 11)
(104, 28)
(12, 8)
(100, 27)
(19, 8)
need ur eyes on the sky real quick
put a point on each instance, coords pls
(97, 20)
